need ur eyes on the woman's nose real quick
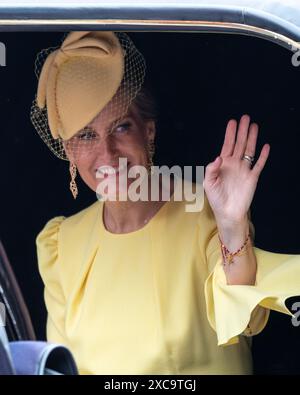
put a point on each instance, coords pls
(106, 147)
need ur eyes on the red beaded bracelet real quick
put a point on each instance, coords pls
(227, 255)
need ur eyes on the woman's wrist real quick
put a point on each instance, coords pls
(240, 269)
(233, 234)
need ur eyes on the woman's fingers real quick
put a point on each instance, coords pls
(244, 143)
(252, 139)
(261, 161)
(242, 136)
(229, 139)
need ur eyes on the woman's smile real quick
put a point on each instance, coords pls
(113, 169)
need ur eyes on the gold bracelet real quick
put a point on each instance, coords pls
(227, 255)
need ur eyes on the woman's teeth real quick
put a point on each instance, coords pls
(110, 170)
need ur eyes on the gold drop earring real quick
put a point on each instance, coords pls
(73, 185)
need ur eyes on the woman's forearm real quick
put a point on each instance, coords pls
(242, 270)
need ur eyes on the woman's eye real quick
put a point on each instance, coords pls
(87, 135)
(123, 127)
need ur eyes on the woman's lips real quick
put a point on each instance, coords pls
(111, 170)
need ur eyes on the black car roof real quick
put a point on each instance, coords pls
(278, 21)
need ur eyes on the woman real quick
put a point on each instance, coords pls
(143, 286)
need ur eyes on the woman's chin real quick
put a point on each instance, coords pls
(110, 189)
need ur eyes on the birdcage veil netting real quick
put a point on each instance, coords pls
(116, 108)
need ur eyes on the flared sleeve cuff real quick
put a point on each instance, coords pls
(235, 310)
(49, 268)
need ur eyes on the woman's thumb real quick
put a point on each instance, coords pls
(212, 169)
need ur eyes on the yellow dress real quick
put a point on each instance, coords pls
(155, 301)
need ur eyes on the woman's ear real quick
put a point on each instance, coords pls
(150, 130)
